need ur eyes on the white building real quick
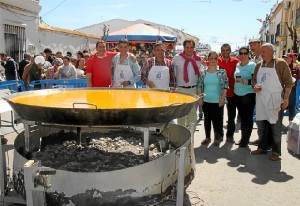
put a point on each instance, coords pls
(21, 32)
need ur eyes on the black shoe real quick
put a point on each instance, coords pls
(255, 143)
(216, 143)
(206, 141)
(243, 145)
(3, 141)
(230, 140)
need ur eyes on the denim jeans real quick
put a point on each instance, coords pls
(200, 113)
(292, 104)
(274, 138)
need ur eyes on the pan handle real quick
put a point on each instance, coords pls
(176, 104)
(173, 89)
(91, 104)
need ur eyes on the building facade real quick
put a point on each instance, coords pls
(21, 32)
(281, 27)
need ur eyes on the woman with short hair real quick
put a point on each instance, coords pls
(213, 81)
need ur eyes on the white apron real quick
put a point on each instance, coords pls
(122, 73)
(268, 100)
(160, 76)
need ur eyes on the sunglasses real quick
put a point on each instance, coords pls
(213, 58)
(243, 53)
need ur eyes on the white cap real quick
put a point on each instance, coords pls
(39, 60)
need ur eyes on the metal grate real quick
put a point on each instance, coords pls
(15, 41)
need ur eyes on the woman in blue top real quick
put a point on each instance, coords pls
(244, 94)
(213, 81)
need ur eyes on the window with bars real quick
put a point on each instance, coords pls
(15, 41)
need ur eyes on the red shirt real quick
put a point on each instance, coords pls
(100, 68)
(230, 69)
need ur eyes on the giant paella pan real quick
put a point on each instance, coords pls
(105, 106)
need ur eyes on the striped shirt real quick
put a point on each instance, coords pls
(148, 65)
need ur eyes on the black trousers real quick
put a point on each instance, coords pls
(213, 114)
(271, 134)
(231, 113)
(245, 105)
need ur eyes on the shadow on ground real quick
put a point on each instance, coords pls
(260, 166)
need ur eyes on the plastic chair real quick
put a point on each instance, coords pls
(44, 84)
(81, 82)
(140, 84)
(57, 83)
(13, 85)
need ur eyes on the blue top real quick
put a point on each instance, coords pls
(212, 88)
(212, 95)
(246, 73)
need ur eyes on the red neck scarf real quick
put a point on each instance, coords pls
(193, 60)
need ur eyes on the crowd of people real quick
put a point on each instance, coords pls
(264, 82)
(244, 83)
(45, 65)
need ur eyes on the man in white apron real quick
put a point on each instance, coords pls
(158, 71)
(272, 81)
(126, 71)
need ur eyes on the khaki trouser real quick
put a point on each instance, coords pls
(191, 117)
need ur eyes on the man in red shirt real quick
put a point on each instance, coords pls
(229, 64)
(98, 67)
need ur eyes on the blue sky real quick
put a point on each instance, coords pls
(213, 21)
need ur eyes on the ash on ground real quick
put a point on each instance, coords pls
(102, 151)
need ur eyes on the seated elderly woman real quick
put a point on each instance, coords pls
(66, 71)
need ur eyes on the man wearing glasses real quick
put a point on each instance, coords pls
(187, 66)
(229, 64)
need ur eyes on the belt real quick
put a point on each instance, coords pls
(188, 87)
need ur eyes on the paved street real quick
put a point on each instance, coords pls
(231, 176)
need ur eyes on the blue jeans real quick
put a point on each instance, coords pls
(274, 138)
(292, 104)
(200, 111)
